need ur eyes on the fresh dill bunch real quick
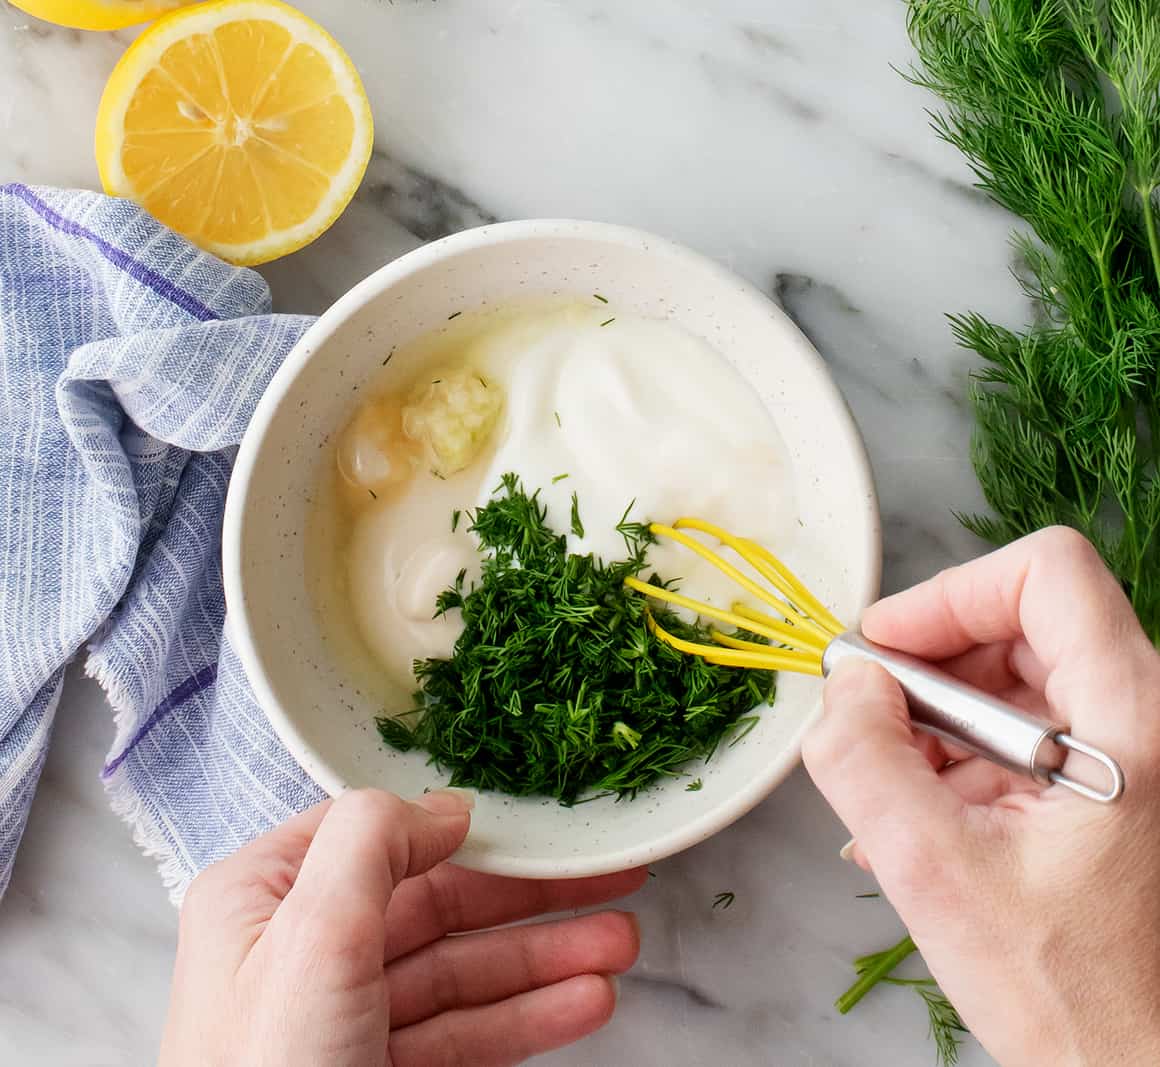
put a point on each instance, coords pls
(945, 1026)
(1055, 104)
(556, 685)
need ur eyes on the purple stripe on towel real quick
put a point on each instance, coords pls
(161, 285)
(190, 687)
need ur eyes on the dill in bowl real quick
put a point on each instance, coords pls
(556, 686)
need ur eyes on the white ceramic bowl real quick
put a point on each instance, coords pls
(325, 717)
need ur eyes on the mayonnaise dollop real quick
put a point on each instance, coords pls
(637, 411)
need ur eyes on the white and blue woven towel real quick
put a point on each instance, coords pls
(130, 363)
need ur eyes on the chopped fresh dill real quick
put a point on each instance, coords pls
(374, 495)
(556, 686)
(723, 900)
(867, 896)
(558, 422)
(455, 517)
(694, 786)
(608, 322)
(602, 299)
(454, 315)
(436, 381)
(577, 525)
(624, 736)
(559, 478)
(396, 733)
(742, 727)
(436, 474)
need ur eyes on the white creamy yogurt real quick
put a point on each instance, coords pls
(401, 556)
(638, 409)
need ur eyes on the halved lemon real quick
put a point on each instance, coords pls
(97, 14)
(239, 123)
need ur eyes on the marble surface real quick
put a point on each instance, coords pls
(772, 136)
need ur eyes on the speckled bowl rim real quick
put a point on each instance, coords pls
(847, 439)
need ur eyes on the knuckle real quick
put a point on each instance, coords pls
(369, 806)
(943, 585)
(446, 901)
(819, 744)
(444, 987)
(455, 1050)
(913, 864)
(203, 894)
(1068, 545)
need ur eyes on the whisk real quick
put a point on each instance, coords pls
(807, 638)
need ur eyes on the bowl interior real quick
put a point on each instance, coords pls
(324, 711)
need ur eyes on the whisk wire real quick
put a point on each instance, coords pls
(798, 641)
(768, 566)
(787, 610)
(770, 628)
(736, 642)
(763, 657)
(793, 633)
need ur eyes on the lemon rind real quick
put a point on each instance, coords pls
(96, 14)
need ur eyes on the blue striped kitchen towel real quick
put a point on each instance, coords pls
(130, 363)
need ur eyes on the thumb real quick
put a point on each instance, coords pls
(368, 842)
(864, 759)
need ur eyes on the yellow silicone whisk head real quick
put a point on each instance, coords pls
(797, 638)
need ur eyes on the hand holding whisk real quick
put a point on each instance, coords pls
(806, 638)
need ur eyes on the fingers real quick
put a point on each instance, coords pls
(243, 890)
(1052, 588)
(998, 666)
(461, 972)
(864, 759)
(452, 900)
(978, 781)
(507, 1033)
(366, 844)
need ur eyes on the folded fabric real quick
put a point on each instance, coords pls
(130, 363)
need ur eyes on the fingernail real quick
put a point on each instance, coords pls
(846, 852)
(447, 801)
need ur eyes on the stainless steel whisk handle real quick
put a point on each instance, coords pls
(972, 719)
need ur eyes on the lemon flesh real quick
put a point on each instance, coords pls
(239, 123)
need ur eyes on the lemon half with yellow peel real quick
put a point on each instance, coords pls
(241, 124)
(97, 14)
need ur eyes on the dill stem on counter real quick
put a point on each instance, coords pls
(877, 967)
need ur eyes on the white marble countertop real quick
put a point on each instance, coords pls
(772, 136)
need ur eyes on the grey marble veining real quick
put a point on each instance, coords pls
(775, 137)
